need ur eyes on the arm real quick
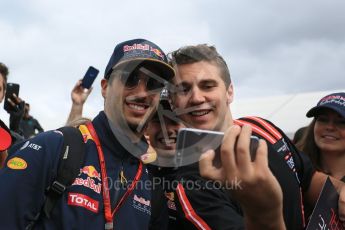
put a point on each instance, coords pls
(315, 188)
(260, 195)
(78, 96)
(24, 178)
(38, 126)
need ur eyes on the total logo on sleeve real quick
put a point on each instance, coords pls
(81, 200)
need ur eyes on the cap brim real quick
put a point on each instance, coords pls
(167, 71)
(317, 109)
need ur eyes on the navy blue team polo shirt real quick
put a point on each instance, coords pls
(32, 168)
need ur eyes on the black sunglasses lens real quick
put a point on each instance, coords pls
(153, 84)
(132, 80)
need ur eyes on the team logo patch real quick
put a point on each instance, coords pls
(157, 52)
(91, 180)
(142, 204)
(17, 163)
(170, 195)
(31, 146)
(81, 200)
(171, 205)
(85, 133)
(25, 145)
(148, 157)
(91, 172)
(89, 183)
(171, 200)
(127, 48)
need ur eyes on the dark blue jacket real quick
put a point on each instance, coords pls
(22, 190)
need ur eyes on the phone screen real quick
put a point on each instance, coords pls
(191, 143)
(89, 77)
(11, 88)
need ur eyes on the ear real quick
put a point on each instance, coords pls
(230, 94)
(104, 85)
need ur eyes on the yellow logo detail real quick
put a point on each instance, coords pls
(150, 156)
(85, 133)
(17, 163)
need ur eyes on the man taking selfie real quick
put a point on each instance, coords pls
(202, 97)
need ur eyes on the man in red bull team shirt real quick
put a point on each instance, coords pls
(108, 192)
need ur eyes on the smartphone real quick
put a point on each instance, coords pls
(89, 77)
(191, 143)
(11, 88)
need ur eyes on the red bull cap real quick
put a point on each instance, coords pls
(138, 51)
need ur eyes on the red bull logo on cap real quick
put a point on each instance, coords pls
(127, 48)
(157, 52)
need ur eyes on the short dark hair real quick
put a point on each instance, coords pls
(4, 73)
(201, 52)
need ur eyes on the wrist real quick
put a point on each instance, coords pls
(77, 104)
(266, 219)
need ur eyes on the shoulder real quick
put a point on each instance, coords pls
(46, 140)
(41, 149)
(34, 161)
(265, 129)
(259, 124)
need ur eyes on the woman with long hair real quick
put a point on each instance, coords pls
(324, 139)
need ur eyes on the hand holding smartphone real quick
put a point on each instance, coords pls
(191, 143)
(11, 88)
(89, 77)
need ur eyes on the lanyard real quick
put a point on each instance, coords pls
(108, 215)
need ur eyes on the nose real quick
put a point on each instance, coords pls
(141, 89)
(172, 127)
(331, 125)
(196, 97)
(170, 130)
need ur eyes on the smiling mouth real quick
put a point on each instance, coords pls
(169, 141)
(328, 137)
(199, 113)
(136, 106)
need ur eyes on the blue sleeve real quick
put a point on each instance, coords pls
(24, 178)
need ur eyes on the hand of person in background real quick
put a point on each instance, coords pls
(78, 95)
(17, 103)
(17, 114)
(259, 192)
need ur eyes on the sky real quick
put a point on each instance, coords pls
(272, 47)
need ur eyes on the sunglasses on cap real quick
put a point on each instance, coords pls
(132, 79)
